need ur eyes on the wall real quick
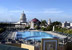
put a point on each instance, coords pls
(30, 47)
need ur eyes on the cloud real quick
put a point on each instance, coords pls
(52, 11)
(18, 11)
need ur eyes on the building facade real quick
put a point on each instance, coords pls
(66, 24)
(22, 23)
(23, 18)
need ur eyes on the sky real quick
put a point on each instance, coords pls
(56, 10)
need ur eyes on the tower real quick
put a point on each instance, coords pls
(53, 28)
(32, 25)
(49, 21)
(23, 18)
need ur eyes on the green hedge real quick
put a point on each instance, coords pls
(48, 28)
(27, 27)
(63, 30)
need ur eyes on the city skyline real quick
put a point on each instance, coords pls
(56, 10)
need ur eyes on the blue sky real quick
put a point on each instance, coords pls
(56, 10)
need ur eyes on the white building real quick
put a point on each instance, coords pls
(22, 23)
(32, 25)
(66, 24)
(23, 18)
(49, 21)
(71, 24)
(53, 28)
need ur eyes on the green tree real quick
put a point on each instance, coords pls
(44, 29)
(27, 27)
(37, 27)
(49, 28)
(2, 30)
(56, 23)
(43, 23)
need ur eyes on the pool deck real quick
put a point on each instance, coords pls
(12, 35)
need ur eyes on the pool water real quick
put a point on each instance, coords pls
(33, 35)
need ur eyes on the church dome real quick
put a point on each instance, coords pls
(36, 21)
(23, 17)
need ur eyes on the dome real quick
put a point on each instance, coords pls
(35, 20)
(23, 17)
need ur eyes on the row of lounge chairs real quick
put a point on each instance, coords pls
(69, 36)
(4, 35)
(66, 34)
(31, 42)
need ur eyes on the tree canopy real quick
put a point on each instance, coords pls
(43, 23)
(56, 23)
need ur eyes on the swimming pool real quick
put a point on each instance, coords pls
(33, 35)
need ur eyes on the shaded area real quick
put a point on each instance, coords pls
(8, 47)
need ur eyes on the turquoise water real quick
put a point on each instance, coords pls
(33, 35)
